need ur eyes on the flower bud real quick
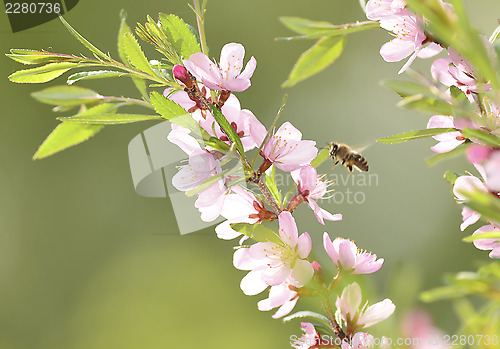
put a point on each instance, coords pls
(181, 74)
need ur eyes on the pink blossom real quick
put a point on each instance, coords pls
(310, 338)
(346, 255)
(240, 119)
(200, 168)
(273, 263)
(241, 206)
(285, 149)
(455, 71)
(312, 187)
(378, 9)
(492, 171)
(447, 141)
(488, 244)
(227, 75)
(467, 184)
(349, 302)
(409, 39)
(417, 324)
(360, 340)
(282, 297)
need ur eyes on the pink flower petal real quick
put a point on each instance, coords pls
(252, 283)
(302, 272)
(288, 229)
(304, 245)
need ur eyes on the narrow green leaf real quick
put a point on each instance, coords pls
(318, 57)
(436, 158)
(335, 31)
(487, 204)
(441, 293)
(84, 41)
(227, 129)
(482, 136)
(300, 315)
(179, 35)
(135, 55)
(410, 88)
(36, 57)
(66, 95)
(451, 176)
(42, 74)
(322, 156)
(305, 26)
(232, 171)
(166, 107)
(139, 83)
(417, 134)
(494, 36)
(271, 185)
(109, 119)
(96, 74)
(257, 232)
(427, 104)
(487, 235)
(66, 135)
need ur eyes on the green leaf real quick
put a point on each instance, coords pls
(409, 88)
(42, 74)
(300, 315)
(318, 57)
(451, 176)
(417, 134)
(305, 26)
(428, 104)
(227, 129)
(271, 185)
(109, 119)
(441, 293)
(96, 74)
(322, 156)
(334, 30)
(135, 55)
(166, 107)
(36, 57)
(482, 136)
(179, 35)
(66, 135)
(85, 42)
(139, 83)
(494, 36)
(487, 235)
(487, 204)
(436, 158)
(66, 95)
(257, 232)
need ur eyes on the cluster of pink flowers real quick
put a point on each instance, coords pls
(409, 37)
(278, 262)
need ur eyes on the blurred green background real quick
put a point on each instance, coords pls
(87, 263)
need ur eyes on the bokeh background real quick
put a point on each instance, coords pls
(86, 263)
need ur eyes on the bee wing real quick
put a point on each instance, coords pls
(358, 148)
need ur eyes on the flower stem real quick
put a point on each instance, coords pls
(331, 316)
(200, 21)
(269, 197)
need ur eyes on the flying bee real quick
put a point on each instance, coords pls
(343, 153)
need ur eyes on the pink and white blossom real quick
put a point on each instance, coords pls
(348, 305)
(449, 140)
(282, 297)
(347, 256)
(285, 148)
(455, 71)
(467, 184)
(312, 187)
(410, 39)
(273, 263)
(418, 325)
(488, 244)
(226, 75)
(240, 119)
(310, 338)
(360, 340)
(378, 9)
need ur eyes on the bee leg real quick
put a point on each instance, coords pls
(349, 167)
(334, 164)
